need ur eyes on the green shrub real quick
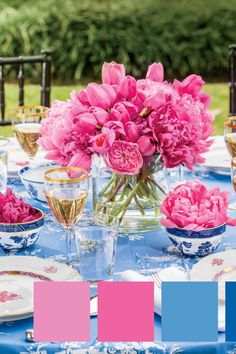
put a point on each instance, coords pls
(186, 36)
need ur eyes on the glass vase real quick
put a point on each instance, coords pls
(135, 200)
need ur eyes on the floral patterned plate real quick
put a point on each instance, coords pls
(220, 267)
(17, 276)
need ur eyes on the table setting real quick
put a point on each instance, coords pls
(121, 182)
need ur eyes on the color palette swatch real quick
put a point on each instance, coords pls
(230, 314)
(189, 311)
(126, 311)
(61, 311)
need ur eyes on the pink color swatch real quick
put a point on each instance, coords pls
(125, 311)
(61, 311)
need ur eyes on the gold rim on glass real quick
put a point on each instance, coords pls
(72, 180)
(228, 120)
(18, 114)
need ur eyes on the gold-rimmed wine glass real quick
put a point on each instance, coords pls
(230, 141)
(66, 191)
(26, 122)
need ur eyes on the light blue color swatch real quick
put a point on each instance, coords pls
(189, 312)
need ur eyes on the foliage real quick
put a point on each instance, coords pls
(186, 36)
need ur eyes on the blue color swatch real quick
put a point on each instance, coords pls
(230, 311)
(189, 311)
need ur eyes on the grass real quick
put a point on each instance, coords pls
(219, 93)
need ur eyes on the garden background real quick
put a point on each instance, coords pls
(186, 36)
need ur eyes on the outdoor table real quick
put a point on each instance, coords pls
(136, 252)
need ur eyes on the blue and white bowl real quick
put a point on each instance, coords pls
(196, 243)
(32, 177)
(20, 235)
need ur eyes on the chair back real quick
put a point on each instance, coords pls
(45, 60)
(232, 80)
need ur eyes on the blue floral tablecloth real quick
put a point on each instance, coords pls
(138, 252)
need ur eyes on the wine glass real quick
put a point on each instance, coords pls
(66, 192)
(26, 126)
(230, 141)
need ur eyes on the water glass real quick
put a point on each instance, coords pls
(96, 239)
(3, 164)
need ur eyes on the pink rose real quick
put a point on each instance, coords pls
(155, 72)
(192, 206)
(112, 73)
(127, 87)
(124, 158)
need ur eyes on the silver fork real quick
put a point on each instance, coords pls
(156, 278)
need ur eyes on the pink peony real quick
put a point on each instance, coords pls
(14, 210)
(192, 206)
(124, 158)
(112, 73)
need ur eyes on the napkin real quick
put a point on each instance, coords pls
(170, 274)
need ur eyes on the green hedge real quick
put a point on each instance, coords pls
(186, 36)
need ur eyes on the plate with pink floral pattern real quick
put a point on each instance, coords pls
(17, 277)
(220, 267)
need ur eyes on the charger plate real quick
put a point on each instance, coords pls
(220, 267)
(17, 276)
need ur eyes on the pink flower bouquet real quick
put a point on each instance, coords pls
(135, 125)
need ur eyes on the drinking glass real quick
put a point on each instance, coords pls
(26, 122)
(3, 164)
(230, 141)
(66, 192)
(96, 239)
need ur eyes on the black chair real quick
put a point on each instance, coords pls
(232, 80)
(45, 60)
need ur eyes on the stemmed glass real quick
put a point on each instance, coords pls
(26, 126)
(66, 192)
(230, 140)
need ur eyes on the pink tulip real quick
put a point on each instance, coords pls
(85, 123)
(82, 96)
(112, 73)
(146, 146)
(192, 84)
(81, 159)
(124, 158)
(120, 113)
(132, 132)
(100, 115)
(155, 72)
(127, 87)
(103, 96)
(101, 143)
(117, 127)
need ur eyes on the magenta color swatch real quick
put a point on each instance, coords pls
(125, 311)
(61, 311)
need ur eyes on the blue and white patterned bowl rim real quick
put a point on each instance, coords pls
(27, 168)
(25, 226)
(215, 231)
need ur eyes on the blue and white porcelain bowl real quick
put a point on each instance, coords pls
(32, 177)
(196, 243)
(21, 235)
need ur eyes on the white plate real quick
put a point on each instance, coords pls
(17, 276)
(220, 267)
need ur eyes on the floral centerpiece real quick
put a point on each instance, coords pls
(196, 217)
(137, 127)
